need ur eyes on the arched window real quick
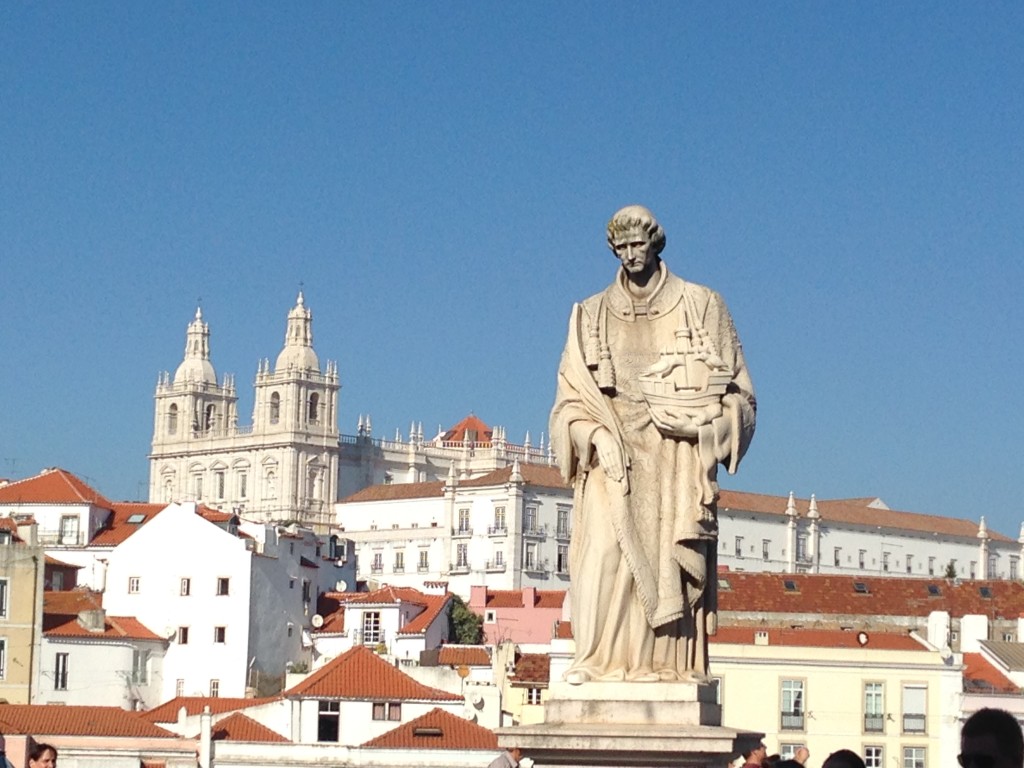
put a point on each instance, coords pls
(275, 408)
(172, 419)
(211, 413)
(314, 407)
(271, 484)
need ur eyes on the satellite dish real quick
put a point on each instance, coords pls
(862, 638)
(341, 586)
(317, 621)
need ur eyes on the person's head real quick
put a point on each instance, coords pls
(756, 754)
(843, 758)
(991, 738)
(517, 753)
(42, 756)
(636, 238)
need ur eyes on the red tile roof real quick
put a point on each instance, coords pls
(239, 727)
(563, 630)
(419, 624)
(360, 673)
(44, 720)
(532, 669)
(513, 598)
(464, 655)
(857, 512)
(168, 711)
(114, 627)
(329, 606)
(437, 729)
(59, 606)
(470, 424)
(117, 528)
(55, 563)
(818, 638)
(52, 486)
(981, 677)
(10, 525)
(539, 475)
(433, 605)
(831, 595)
(397, 491)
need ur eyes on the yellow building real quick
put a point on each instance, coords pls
(889, 697)
(21, 610)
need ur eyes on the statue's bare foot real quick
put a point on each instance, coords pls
(577, 677)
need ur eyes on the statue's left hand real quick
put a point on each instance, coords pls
(685, 423)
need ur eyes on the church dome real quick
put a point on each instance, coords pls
(196, 367)
(298, 341)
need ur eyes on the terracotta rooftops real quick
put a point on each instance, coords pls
(126, 519)
(168, 711)
(981, 677)
(831, 595)
(52, 486)
(1010, 655)
(464, 655)
(816, 638)
(437, 729)
(513, 598)
(472, 428)
(239, 727)
(329, 607)
(44, 720)
(862, 513)
(360, 673)
(114, 627)
(432, 605)
(532, 669)
(538, 475)
(397, 491)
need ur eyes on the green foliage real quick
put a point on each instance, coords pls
(951, 569)
(464, 626)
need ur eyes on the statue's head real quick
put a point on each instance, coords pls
(633, 223)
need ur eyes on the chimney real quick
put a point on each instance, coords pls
(93, 620)
(529, 597)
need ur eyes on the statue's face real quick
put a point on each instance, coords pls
(634, 251)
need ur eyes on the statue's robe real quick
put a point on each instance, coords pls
(642, 559)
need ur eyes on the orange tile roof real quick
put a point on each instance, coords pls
(213, 515)
(437, 729)
(55, 563)
(359, 673)
(329, 606)
(44, 720)
(419, 624)
(385, 595)
(52, 486)
(239, 727)
(10, 525)
(532, 669)
(563, 630)
(397, 491)
(513, 598)
(831, 595)
(117, 528)
(981, 677)
(168, 711)
(114, 627)
(62, 605)
(817, 638)
(539, 475)
(464, 655)
(859, 513)
(471, 423)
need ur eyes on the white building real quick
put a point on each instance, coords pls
(507, 529)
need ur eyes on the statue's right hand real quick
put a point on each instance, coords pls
(609, 455)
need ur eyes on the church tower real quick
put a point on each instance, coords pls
(284, 466)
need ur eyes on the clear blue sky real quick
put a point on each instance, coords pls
(438, 175)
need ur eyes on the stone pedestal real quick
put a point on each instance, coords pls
(630, 724)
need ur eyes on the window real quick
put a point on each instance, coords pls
(885, 561)
(461, 555)
(291, 629)
(931, 566)
(399, 562)
(1009, 637)
(275, 408)
(533, 695)
(220, 634)
(314, 408)
(872, 757)
(3, 598)
(172, 420)
(197, 486)
(140, 667)
(377, 565)
(787, 751)
(499, 557)
(387, 710)
(58, 576)
(133, 585)
(186, 587)
(218, 483)
(766, 546)
(60, 672)
(214, 689)
(327, 724)
(973, 574)
(424, 561)
(563, 558)
(490, 616)
(499, 519)
(792, 705)
(3, 658)
(801, 547)
(464, 520)
(530, 520)
(223, 585)
(910, 563)
(563, 523)
(874, 709)
(837, 556)
(861, 558)
(913, 757)
(738, 547)
(179, 687)
(271, 484)
(530, 557)
(914, 697)
(371, 627)
(243, 484)
(182, 635)
(69, 529)
(1014, 567)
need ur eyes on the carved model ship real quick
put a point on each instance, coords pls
(688, 377)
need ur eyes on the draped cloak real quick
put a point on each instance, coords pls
(642, 556)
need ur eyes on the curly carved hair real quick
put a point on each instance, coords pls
(632, 218)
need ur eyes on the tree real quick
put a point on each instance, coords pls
(464, 626)
(951, 569)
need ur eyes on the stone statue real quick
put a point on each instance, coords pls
(653, 394)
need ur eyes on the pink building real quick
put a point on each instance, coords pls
(528, 615)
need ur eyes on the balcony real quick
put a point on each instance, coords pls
(462, 533)
(536, 531)
(497, 530)
(874, 723)
(913, 723)
(422, 568)
(792, 721)
(457, 568)
(535, 567)
(563, 534)
(495, 567)
(375, 569)
(398, 568)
